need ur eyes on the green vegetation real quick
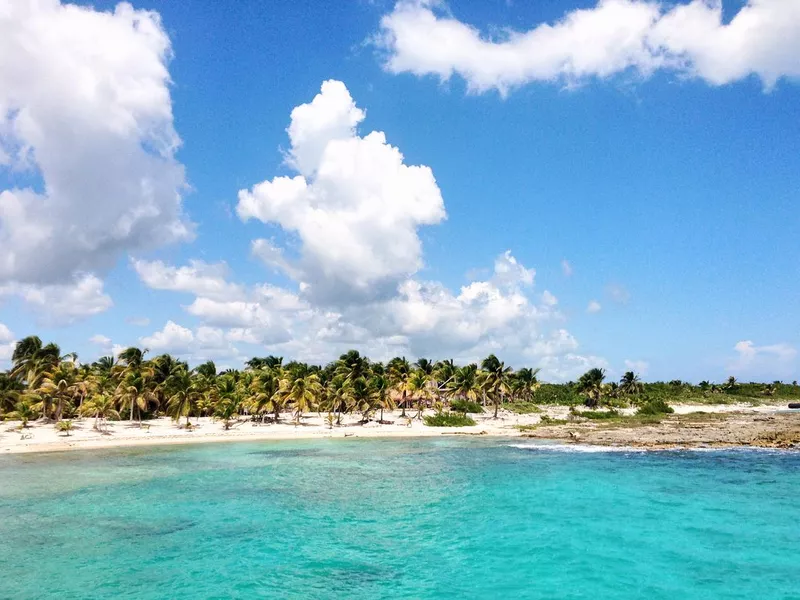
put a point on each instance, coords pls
(48, 385)
(444, 419)
(546, 420)
(655, 407)
(598, 415)
(465, 406)
(64, 427)
(522, 408)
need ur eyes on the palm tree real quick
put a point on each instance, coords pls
(264, 388)
(419, 386)
(229, 395)
(101, 407)
(399, 371)
(631, 384)
(185, 394)
(525, 383)
(465, 383)
(23, 411)
(31, 360)
(10, 391)
(382, 393)
(496, 380)
(136, 390)
(60, 383)
(352, 365)
(591, 384)
(300, 391)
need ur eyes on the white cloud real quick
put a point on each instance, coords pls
(773, 361)
(549, 299)
(615, 36)
(201, 344)
(58, 304)
(352, 254)
(85, 107)
(7, 344)
(172, 338)
(104, 344)
(593, 307)
(198, 277)
(566, 268)
(100, 340)
(570, 366)
(639, 367)
(355, 206)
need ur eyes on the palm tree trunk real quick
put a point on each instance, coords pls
(133, 402)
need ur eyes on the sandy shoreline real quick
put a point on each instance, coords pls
(721, 425)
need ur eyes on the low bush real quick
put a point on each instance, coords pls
(598, 415)
(655, 407)
(522, 408)
(451, 419)
(465, 406)
(547, 420)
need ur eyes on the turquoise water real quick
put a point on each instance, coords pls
(441, 518)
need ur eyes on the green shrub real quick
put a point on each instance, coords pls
(597, 415)
(522, 408)
(450, 419)
(547, 420)
(655, 407)
(465, 406)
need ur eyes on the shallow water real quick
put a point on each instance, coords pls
(427, 518)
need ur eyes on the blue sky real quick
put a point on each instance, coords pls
(664, 173)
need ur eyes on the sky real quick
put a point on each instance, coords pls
(567, 184)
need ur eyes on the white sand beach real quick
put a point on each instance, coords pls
(43, 437)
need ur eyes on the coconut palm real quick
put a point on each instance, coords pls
(136, 389)
(631, 384)
(496, 380)
(10, 391)
(101, 407)
(591, 384)
(382, 393)
(465, 383)
(23, 411)
(59, 384)
(525, 383)
(420, 389)
(264, 393)
(300, 392)
(185, 393)
(399, 371)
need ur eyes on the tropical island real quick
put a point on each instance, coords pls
(51, 401)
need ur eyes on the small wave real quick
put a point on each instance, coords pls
(579, 448)
(596, 449)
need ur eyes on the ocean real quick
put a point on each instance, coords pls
(414, 518)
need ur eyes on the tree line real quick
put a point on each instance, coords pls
(44, 383)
